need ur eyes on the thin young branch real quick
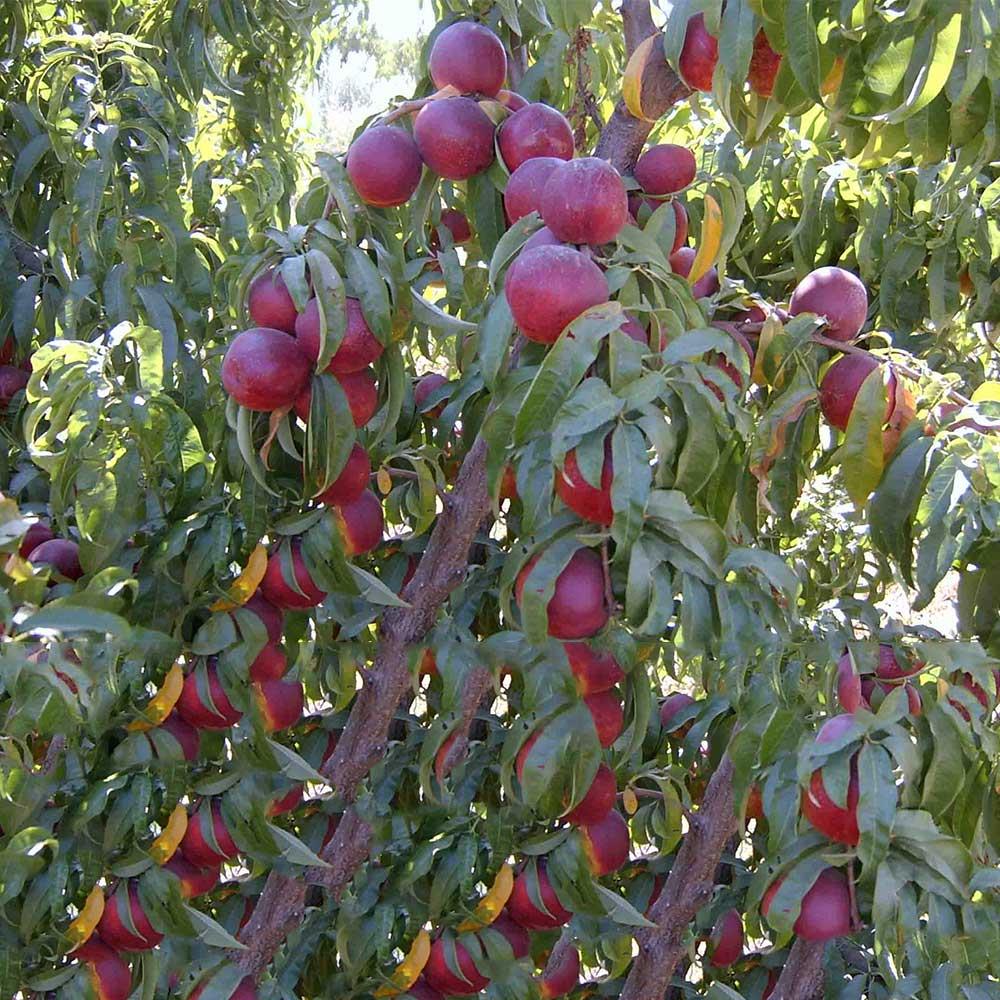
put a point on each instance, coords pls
(802, 976)
(688, 888)
(29, 258)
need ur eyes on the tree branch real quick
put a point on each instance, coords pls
(29, 258)
(478, 685)
(688, 888)
(624, 136)
(802, 976)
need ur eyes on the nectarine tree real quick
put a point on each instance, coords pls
(495, 558)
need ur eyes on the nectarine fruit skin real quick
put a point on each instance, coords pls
(217, 715)
(361, 523)
(352, 481)
(524, 912)
(440, 976)
(468, 57)
(594, 672)
(605, 709)
(265, 369)
(109, 973)
(547, 287)
(666, 169)
(826, 908)
(358, 349)
(671, 705)
(280, 702)
(517, 936)
(62, 554)
(270, 664)
(384, 165)
(726, 943)
(889, 666)
(195, 846)
(455, 137)
(764, 66)
(699, 55)
(39, 532)
(599, 800)
(12, 381)
(841, 384)
(833, 821)
(279, 592)
(194, 881)
(523, 194)
(682, 261)
(270, 303)
(270, 617)
(186, 735)
(362, 395)
(606, 843)
(457, 224)
(535, 131)
(848, 685)
(426, 385)
(584, 201)
(586, 501)
(116, 932)
(245, 991)
(835, 294)
(577, 608)
(543, 237)
(558, 981)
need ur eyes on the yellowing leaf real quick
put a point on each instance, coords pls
(83, 926)
(384, 480)
(164, 847)
(246, 583)
(635, 70)
(631, 801)
(489, 907)
(988, 392)
(408, 971)
(710, 243)
(162, 703)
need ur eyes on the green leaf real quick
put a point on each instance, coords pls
(563, 368)
(369, 288)
(212, 933)
(862, 455)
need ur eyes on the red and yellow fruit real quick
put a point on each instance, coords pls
(578, 608)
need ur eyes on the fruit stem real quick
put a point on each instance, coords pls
(852, 895)
(609, 595)
(412, 107)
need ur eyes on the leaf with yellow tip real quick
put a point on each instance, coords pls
(80, 930)
(631, 801)
(384, 480)
(246, 583)
(165, 846)
(988, 392)
(710, 243)
(408, 971)
(162, 703)
(489, 907)
(635, 71)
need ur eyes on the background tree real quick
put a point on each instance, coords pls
(392, 606)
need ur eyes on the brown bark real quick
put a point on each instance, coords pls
(624, 136)
(688, 888)
(802, 976)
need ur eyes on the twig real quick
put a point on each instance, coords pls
(478, 686)
(902, 368)
(412, 107)
(445, 498)
(643, 793)
(853, 896)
